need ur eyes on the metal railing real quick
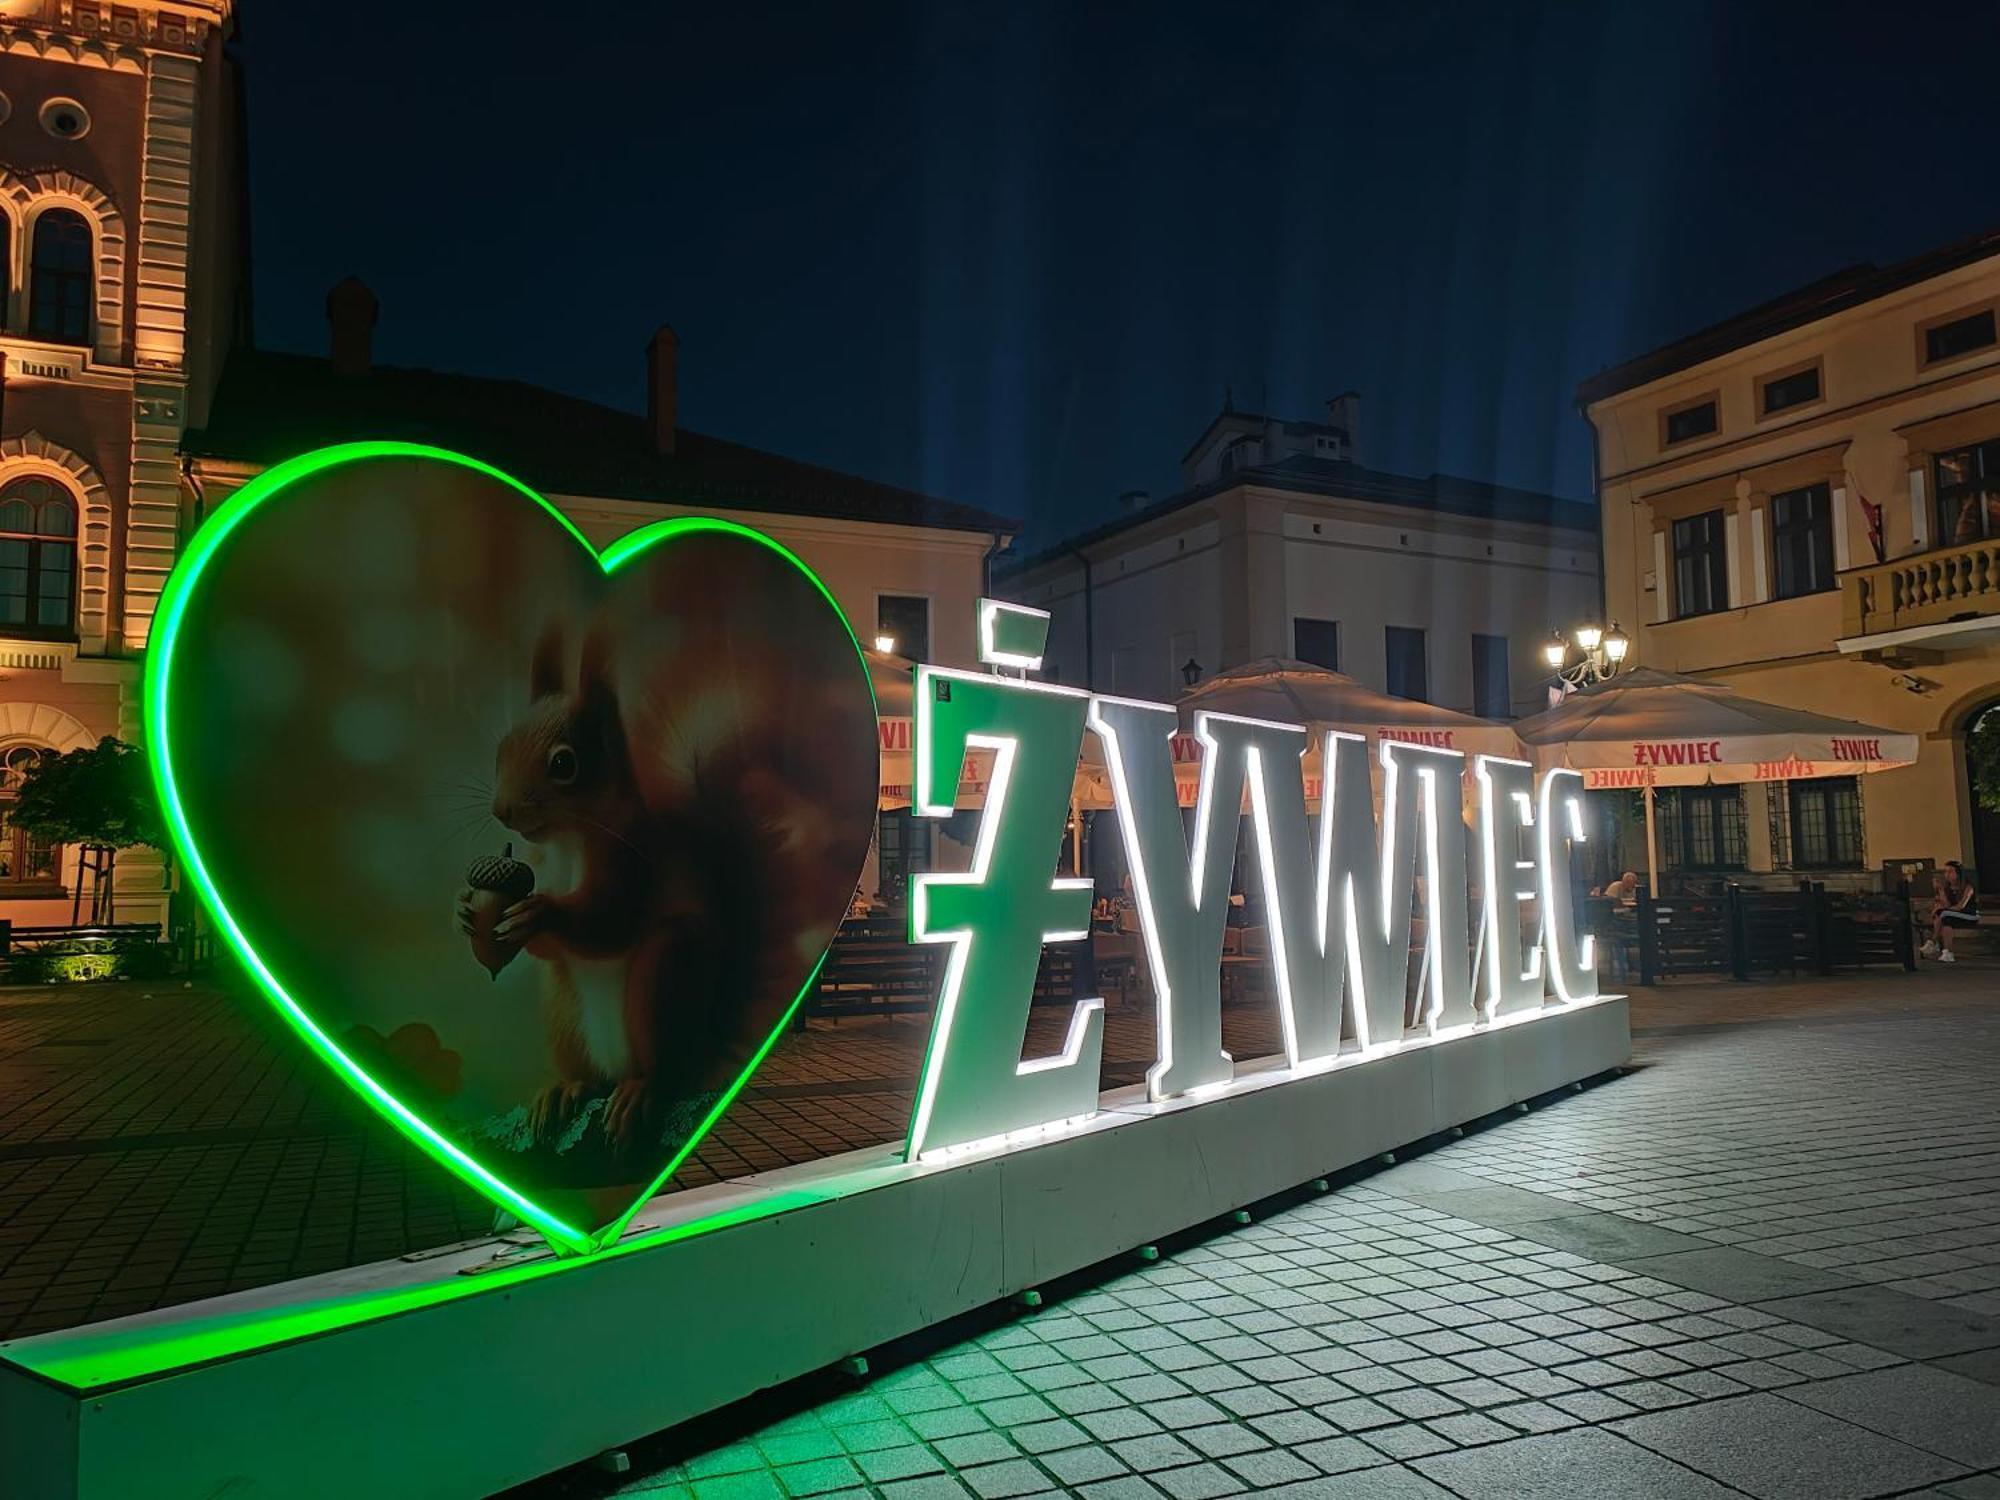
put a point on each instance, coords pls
(1928, 588)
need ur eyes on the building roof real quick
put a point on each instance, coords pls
(1333, 479)
(1290, 426)
(1816, 300)
(269, 407)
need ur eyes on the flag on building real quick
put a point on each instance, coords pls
(1874, 515)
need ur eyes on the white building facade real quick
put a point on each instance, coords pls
(1438, 589)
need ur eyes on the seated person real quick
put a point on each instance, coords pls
(1624, 888)
(1954, 905)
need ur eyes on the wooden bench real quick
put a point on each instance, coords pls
(874, 969)
(1683, 935)
(1774, 931)
(1863, 928)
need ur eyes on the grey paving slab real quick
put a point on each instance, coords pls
(1584, 1464)
(1977, 1364)
(1606, 1237)
(1932, 1409)
(1776, 1449)
(1390, 1482)
(1914, 1326)
(1493, 1205)
(1426, 1174)
(1740, 1275)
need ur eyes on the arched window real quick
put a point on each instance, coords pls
(24, 860)
(37, 559)
(6, 269)
(59, 278)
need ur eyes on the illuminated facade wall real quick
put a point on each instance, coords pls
(1226, 572)
(117, 159)
(1780, 429)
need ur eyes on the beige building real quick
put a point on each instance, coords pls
(133, 404)
(120, 240)
(1804, 502)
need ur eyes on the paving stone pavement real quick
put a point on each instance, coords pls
(1764, 1263)
(161, 1143)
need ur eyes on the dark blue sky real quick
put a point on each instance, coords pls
(1013, 255)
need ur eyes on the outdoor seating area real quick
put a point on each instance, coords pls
(1745, 932)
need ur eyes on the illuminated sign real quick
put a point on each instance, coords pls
(539, 848)
(1339, 900)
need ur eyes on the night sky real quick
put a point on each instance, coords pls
(1014, 255)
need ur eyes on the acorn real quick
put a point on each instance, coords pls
(497, 883)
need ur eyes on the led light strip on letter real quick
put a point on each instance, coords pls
(1513, 970)
(1572, 963)
(975, 1089)
(1012, 635)
(1182, 895)
(1440, 776)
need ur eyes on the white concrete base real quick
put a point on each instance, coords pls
(493, 1377)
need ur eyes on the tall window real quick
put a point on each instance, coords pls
(1802, 537)
(24, 860)
(1407, 677)
(1317, 642)
(1968, 493)
(1701, 827)
(1817, 824)
(37, 559)
(59, 278)
(906, 619)
(1490, 697)
(1701, 566)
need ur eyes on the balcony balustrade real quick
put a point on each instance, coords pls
(1928, 588)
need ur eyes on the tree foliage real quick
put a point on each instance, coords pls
(1982, 755)
(101, 795)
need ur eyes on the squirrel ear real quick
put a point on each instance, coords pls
(545, 671)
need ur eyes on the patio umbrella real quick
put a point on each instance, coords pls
(1296, 692)
(1646, 728)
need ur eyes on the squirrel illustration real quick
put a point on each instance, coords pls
(700, 865)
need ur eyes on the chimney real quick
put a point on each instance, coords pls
(1344, 411)
(350, 314)
(662, 388)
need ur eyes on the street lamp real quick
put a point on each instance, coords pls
(1190, 671)
(1599, 654)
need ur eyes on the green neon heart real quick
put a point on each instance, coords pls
(159, 680)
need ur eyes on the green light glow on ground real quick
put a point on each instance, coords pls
(92, 1358)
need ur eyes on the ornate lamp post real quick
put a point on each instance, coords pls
(1597, 654)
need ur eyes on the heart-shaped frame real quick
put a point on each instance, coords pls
(567, 1238)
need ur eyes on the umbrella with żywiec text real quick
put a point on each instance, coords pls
(1646, 728)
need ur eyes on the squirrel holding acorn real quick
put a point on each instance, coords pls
(675, 950)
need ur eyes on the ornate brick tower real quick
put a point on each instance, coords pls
(121, 223)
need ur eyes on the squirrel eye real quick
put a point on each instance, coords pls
(562, 764)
